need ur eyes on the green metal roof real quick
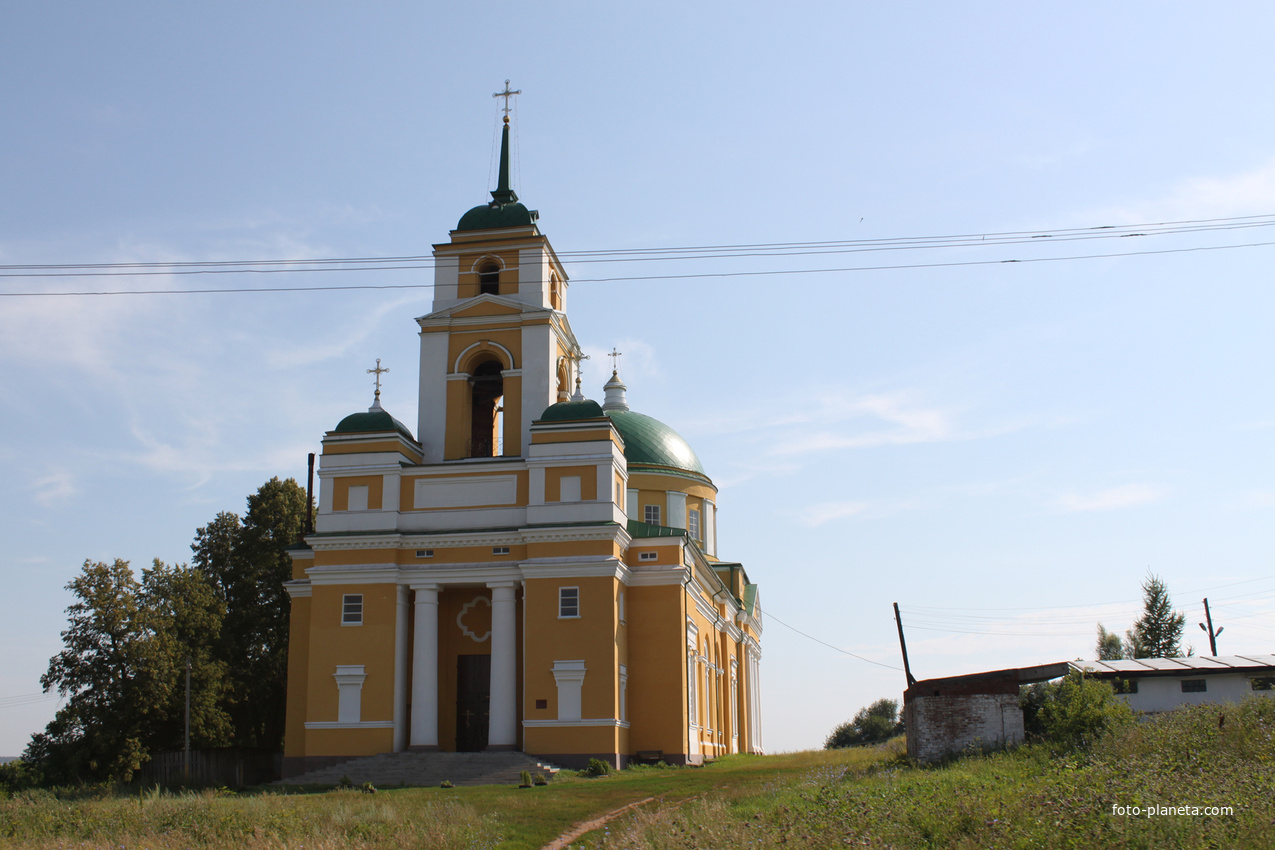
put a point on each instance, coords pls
(494, 215)
(372, 420)
(570, 410)
(637, 528)
(649, 442)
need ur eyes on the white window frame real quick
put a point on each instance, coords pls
(648, 556)
(500, 550)
(568, 599)
(651, 514)
(424, 553)
(693, 524)
(352, 609)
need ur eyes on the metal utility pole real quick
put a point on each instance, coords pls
(186, 751)
(1212, 634)
(907, 668)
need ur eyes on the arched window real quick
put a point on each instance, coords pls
(555, 292)
(487, 388)
(489, 279)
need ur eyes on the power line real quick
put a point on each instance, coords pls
(771, 616)
(706, 275)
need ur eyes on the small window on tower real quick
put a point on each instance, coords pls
(568, 602)
(489, 279)
(352, 609)
(692, 524)
(651, 514)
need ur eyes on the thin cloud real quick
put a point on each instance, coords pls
(55, 488)
(1114, 498)
(1249, 192)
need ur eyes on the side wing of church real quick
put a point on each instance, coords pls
(533, 570)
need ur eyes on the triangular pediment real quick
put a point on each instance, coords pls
(485, 305)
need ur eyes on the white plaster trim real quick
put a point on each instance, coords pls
(599, 721)
(559, 569)
(460, 618)
(298, 588)
(645, 577)
(361, 724)
(454, 574)
(483, 343)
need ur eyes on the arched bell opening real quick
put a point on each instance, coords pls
(489, 278)
(487, 390)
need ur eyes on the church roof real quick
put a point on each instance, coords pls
(565, 411)
(376, 418)
(649, 442)
(503, 209)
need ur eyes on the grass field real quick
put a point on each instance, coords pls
(859, 797)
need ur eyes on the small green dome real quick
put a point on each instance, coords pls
(649, 442)
(375, 419)
(569, 410)
(494, 215)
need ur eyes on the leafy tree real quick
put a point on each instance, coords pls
(1158, 632)
(877, 722)
(111, 677)
(247, 564)
(1076, 710)
(1110, 647)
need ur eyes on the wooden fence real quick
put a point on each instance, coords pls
(231, 767)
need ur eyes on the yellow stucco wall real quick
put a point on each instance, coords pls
(657, 668)
(294, 737)
(341, 491)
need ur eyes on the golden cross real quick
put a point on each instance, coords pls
(506, 94)
(377, 371)
(615, 360)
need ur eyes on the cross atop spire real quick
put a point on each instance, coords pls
(378, 371)
(577, 356)
(615, 360)
(504, 194)
(506, 94)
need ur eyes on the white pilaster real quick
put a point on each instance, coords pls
(502, 730)
(425, 669)
(431, 419)
(390, 487)
(402, 610)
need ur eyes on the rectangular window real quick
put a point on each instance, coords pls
(620, 606)
(1265, 683)
(1194, 686)
(651, 514)
(500, 550)
(424, 553)
(692, 524)
(647, 556)
(352, 609)
(568, 602)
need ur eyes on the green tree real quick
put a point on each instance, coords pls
(1110, 647)
(186, 615)
(246, 563)
(1158, 632)
(877, 722)
(113, 681)
(1076, 711)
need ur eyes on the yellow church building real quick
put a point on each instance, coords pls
(533, 570)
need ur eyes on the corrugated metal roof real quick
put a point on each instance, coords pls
(1190, 664)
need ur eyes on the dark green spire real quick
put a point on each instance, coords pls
(503, 194)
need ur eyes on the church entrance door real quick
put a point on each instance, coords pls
(473, 693)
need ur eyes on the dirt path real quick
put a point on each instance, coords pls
(580, 829)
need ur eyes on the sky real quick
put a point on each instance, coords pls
(1006, 449)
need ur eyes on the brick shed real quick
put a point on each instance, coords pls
(947, 716)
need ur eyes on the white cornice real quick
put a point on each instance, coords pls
(361, 724)
(656, 577)
(574, 568)
(357, 574)
(588, 721)
(479, 574)
(298, 588)
(572, 533)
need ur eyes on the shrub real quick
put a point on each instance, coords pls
(524, 779)
(446, 783)
(878, 722)
(539, 779)
(1076, 711)
(597, 767)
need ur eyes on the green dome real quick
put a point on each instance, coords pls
(375, 419)
(649, 442)
(568, 410)
(494, 215)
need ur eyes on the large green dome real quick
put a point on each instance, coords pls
(648, 442)
(494, 215)
(566, 411)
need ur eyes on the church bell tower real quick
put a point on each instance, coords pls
(497, 349)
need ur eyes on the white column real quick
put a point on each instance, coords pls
(425, 669)
(402, 609)
(502, 729)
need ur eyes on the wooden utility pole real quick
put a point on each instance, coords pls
(1212, 634)
(186, 750)
(907, 668)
